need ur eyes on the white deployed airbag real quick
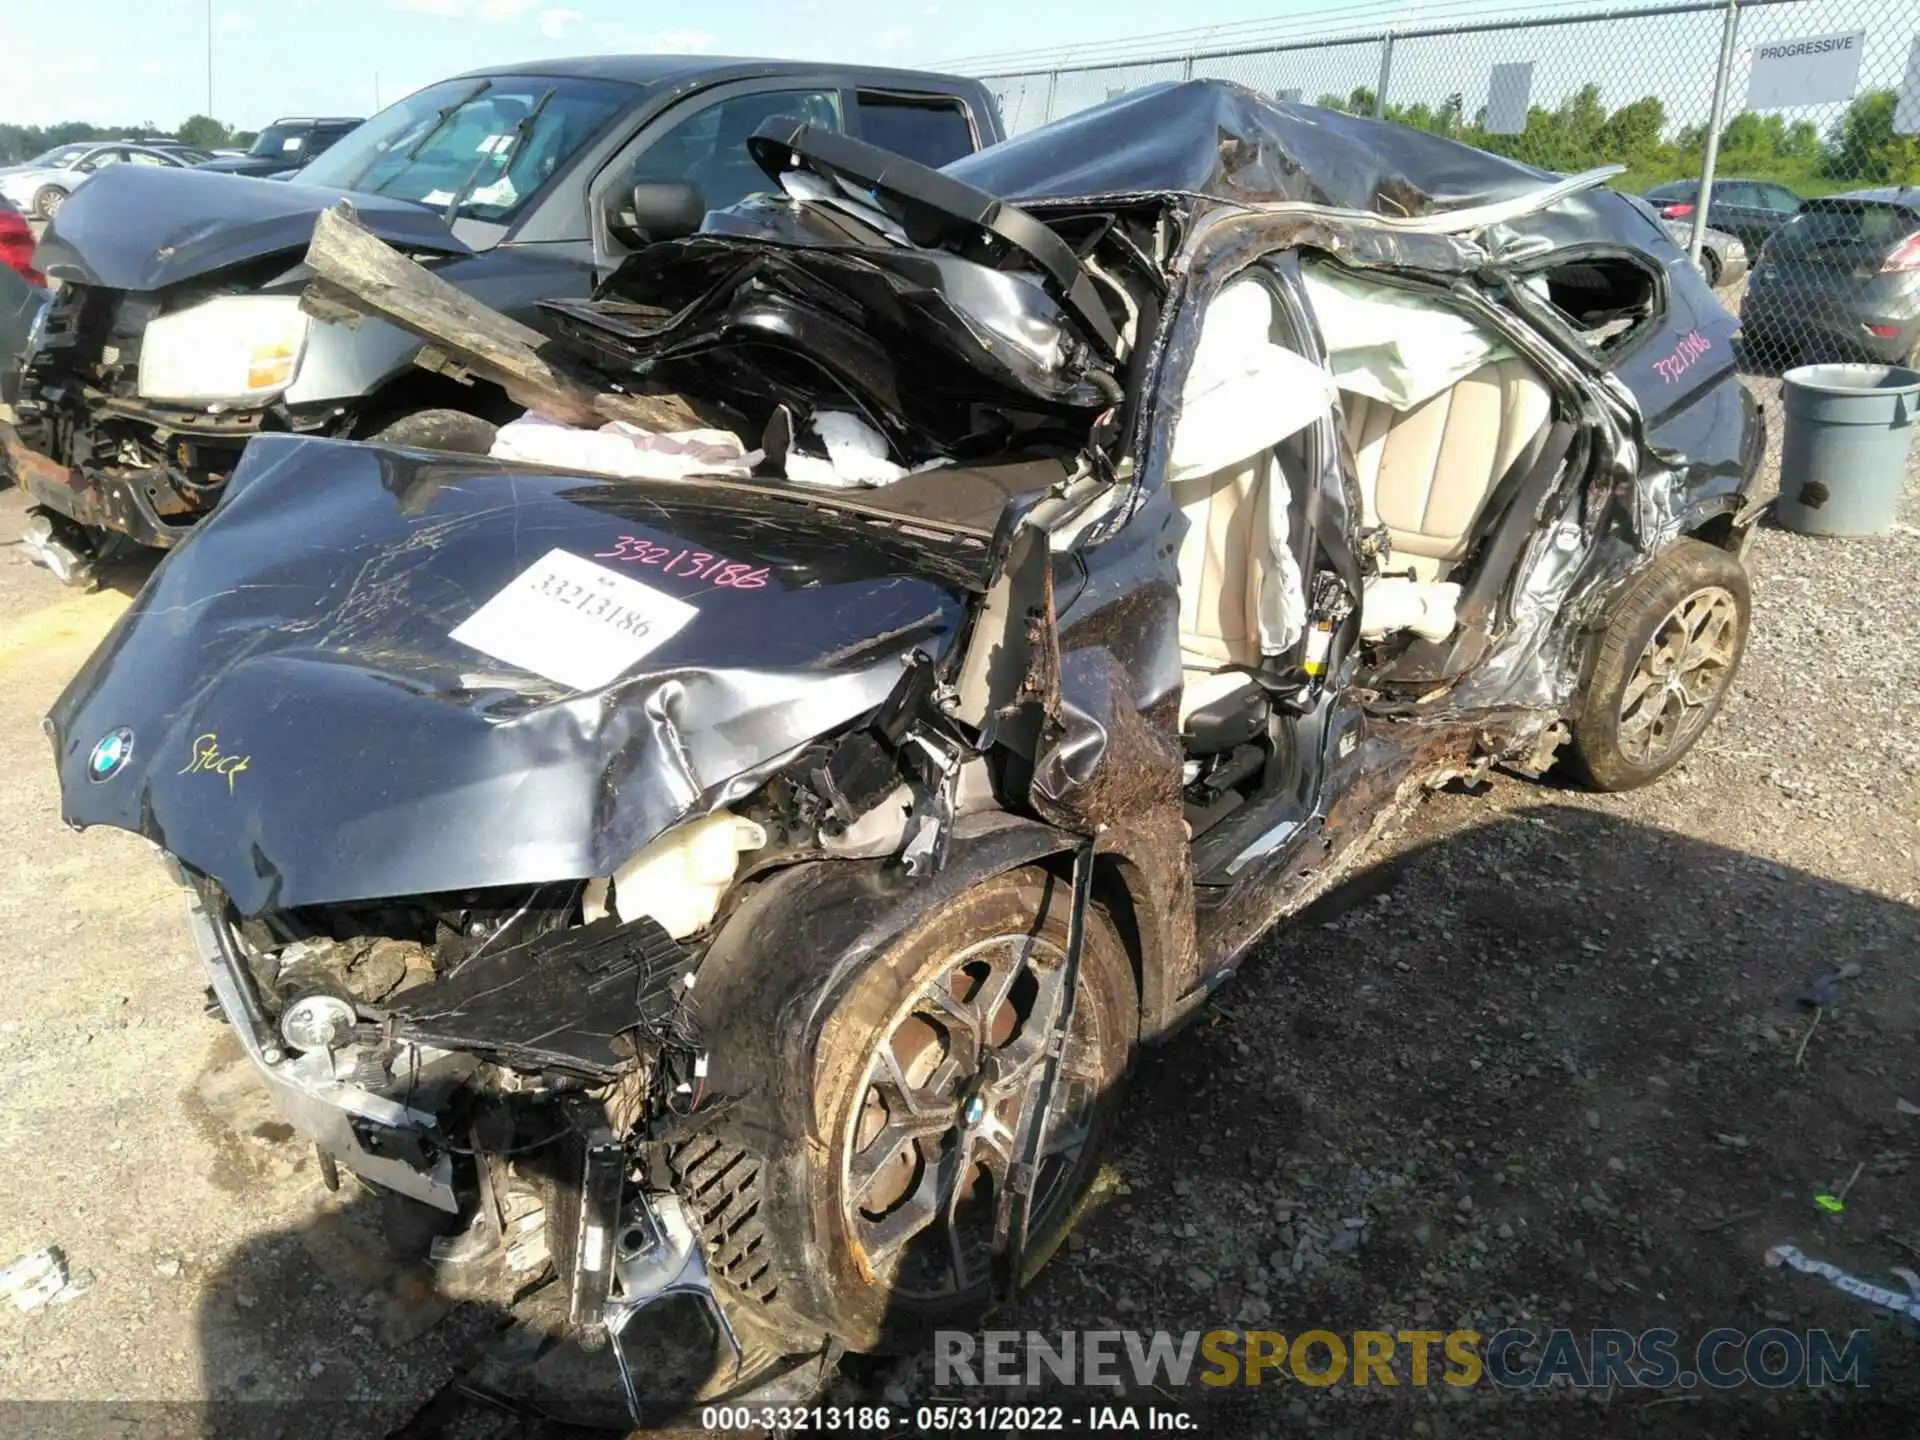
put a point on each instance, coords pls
(1393, 345)
(1393, 602)
(618, 448)
(857, 454)
(1245, 393)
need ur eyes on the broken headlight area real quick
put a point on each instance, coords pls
(527, 1062)
(496, 1059)
(121, 426)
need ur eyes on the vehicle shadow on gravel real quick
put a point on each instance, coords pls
(1542, 1072)
(1547, 1071)
(317, 1331)
(129, 570)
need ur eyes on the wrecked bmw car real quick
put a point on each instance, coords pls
(774, 877)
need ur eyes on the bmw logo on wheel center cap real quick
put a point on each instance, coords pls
(110, 756)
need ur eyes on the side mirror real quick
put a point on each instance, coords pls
(658, 210)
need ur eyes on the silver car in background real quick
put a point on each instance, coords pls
(41, 186)
(1723, 257)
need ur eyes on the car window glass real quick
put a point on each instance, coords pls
(1734, 193)
(932, 133)
(1781, 199)
(1838, 220)
(1606, 300)
(143, 157)
(493, 142)
(272, 141)
(100, 159)
(709, 148)
(60, 157)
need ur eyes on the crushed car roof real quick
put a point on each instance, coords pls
(1220, 141)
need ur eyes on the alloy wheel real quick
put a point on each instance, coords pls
(1679, 676)
(945, 1107)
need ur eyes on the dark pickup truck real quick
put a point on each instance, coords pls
(287, 144)
(176, 336)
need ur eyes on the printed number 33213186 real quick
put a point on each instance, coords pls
(592, 603)
(575, 622)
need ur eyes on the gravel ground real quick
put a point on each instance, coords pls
(1543, 1062)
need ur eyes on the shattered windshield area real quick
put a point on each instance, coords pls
(488, 144)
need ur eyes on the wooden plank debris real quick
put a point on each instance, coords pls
(356, 273)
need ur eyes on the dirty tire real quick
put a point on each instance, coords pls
(450, 430)
(47, 200)
(867, 1305)
(1710, 267)
(1607, 752)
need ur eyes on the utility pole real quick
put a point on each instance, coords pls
(210, 114)
(1729, 32)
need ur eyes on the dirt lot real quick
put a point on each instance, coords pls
(1543, 1063)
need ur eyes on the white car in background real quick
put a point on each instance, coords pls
(41, 186)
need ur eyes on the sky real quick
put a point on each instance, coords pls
(140, 60)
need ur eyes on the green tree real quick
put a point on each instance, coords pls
(1862, 148)
(1633, 131)
(203, 131)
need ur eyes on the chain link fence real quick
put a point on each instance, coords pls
(1786, 126)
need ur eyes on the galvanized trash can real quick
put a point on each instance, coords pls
(1843, 459)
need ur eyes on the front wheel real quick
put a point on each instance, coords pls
(47, 200)
(1666, 660)
(926, 1083)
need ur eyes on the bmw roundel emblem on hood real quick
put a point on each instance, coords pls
(110, 755)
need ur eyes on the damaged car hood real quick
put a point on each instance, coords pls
(284, 708)
(143, 227)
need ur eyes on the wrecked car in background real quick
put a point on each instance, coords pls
(177, 334)
(770, 882)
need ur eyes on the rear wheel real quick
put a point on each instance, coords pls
(450, 430)
(928, 1079)
(1710, 267)
(1667, 658)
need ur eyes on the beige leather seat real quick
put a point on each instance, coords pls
(1425, 473)
(1219, 584)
